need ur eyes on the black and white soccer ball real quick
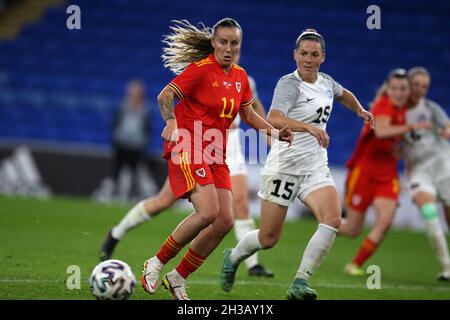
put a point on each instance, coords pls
(112, 280)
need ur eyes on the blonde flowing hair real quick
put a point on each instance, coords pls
(188, 43)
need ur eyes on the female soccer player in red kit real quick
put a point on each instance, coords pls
(372, 178)
(211, 91)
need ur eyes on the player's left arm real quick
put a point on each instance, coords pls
(254, 120)
(259, 107)
(349, 100)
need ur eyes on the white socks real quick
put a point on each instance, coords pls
(133, 218)
(436, 234)
(247, 246)
(241, 227)
(316, 250)
(439, 243)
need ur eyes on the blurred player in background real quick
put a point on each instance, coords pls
(373, 178)
(243, 222)
(303, 101)
(427, 156)
(211, 90)
(131, 127)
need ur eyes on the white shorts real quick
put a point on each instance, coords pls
(282, 188)
(432, 177)
(235, 156)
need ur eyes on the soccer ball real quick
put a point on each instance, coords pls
(112, 280)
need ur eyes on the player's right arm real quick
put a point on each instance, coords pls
(166, 102)
(384, 128)
(284, 98)
(181, 86)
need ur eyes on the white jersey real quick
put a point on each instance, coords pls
(424, 144)
(306, 102)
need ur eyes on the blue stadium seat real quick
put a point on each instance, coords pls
(64, 85)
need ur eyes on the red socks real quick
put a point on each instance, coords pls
(169, 249)
(367, 248)
(190, 262)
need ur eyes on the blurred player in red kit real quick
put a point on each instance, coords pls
(373, 178)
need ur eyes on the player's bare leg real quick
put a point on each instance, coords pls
(268, 234)
(385, 211)
(325, 204)
(202, 246)
(137, 215)
(243, 222)
(352, 226)
(426, 203)
(205, 202)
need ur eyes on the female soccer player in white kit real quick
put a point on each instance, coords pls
(427, 156)
(303, 101)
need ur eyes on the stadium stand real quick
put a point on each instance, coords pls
(63, 85)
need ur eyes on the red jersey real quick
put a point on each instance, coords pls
(209, 95)
(379, 153)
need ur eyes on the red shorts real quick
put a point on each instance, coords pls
(362, 187)
(184, 176)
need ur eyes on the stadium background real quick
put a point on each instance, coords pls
(59, 88)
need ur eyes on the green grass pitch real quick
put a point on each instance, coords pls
(41, 238)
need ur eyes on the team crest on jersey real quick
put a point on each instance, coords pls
(329, 94)
(201, 172)
(356, 199)
(238, 87)
(215, 84)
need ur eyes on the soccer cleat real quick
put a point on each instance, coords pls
(300, 290)
(108, 246)
(260, 271)
(150, 274)
(176, 287)
(443, 276)
(228, 272)
(354, 270)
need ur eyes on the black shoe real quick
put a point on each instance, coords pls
(443, 276)
(107, 247)
(260, 271)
